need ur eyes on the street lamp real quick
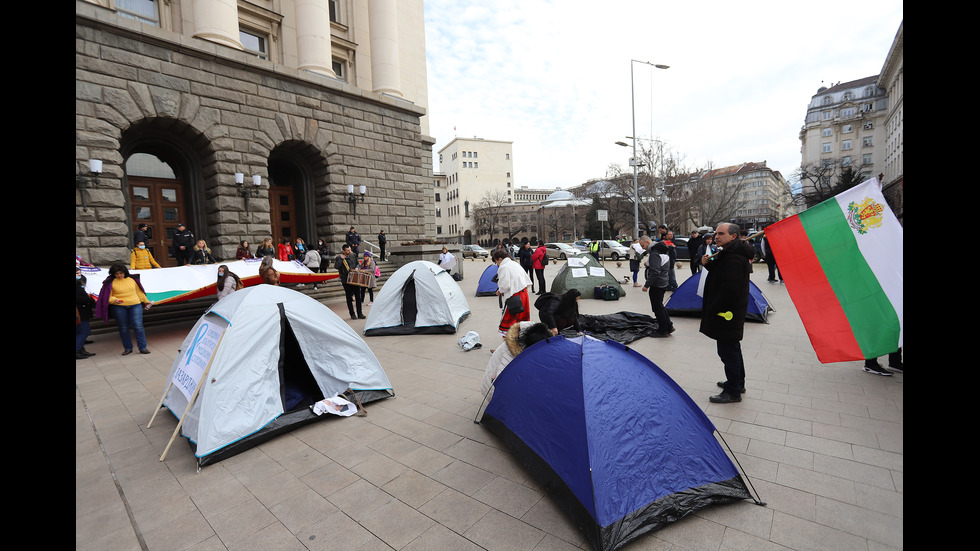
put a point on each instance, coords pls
(636, 185)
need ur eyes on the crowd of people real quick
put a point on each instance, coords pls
(725, 255)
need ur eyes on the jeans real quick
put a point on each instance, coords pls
(125, 317)
(82, 331)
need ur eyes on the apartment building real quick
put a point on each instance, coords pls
(478, 171)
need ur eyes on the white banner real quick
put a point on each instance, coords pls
(196, 358)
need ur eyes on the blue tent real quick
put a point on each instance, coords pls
(686, 302)
(623, 449)
(487, 287)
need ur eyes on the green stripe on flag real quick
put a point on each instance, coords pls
(871, 315)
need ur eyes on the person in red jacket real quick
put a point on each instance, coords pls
(286, 251)
(539, 259)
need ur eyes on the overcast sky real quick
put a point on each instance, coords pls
(554, 77)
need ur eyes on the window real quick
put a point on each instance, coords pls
(845, 161)
(254, 44)
(847, 128)
(827, 115)
(848, 111)
(826, 132)
(845, 145)
(825, 148)
(338, 69)
(507, 156)
(866, 159)
(144, 11)
(868, 141)
(438, 229)
(827, 100)
(334, 11)
(437, 198)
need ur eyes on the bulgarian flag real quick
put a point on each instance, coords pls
(842, 264)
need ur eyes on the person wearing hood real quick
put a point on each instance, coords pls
(559, 312)
(726, 301)
(519, 336)
(657, 280)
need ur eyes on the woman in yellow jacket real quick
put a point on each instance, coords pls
(141, 258)
(123, 298)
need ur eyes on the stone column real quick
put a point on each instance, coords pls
(313, 37)
(217, 21)
(385, 70)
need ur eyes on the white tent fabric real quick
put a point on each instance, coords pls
(439, 303)
(242, 392)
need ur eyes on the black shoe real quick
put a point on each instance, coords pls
(127, 352)
(725, 398)
(876, 369)
(144, 351)
(899, 368)
(80, 356)
(353, 317)
(659, 335)
(721, 384)
(361, 317)
(86, 352)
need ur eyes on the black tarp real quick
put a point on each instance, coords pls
(622, 327)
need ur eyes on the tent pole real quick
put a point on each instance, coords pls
(482, 405)
(747, 479)
(159, 405)
(361, 412)
(190, 402)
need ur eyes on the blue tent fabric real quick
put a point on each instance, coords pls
(487, 286)
(618, 443)
(686, 302)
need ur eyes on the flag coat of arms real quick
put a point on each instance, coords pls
(842, 262)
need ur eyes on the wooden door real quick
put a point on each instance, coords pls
(158, 203)
(282, 205)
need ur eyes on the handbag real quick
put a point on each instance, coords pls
(514, 305)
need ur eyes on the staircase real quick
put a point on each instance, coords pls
(191, 310)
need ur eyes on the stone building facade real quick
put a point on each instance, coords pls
(212, 114)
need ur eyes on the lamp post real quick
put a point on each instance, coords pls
(636, 186)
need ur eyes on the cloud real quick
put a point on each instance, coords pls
(554, 77)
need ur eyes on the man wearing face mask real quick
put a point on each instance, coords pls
(141, 258)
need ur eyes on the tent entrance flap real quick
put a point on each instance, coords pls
(298, 388)
(410, 305)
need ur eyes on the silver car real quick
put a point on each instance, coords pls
(562, 251)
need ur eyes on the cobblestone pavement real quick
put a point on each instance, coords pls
(821, 443)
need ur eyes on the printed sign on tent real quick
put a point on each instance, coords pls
(188, 376)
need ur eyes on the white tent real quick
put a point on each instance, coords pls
(255, 363)
(420, 297)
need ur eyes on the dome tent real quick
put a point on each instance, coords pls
(684, 301)
(271, 353)
(622, 448)
(585, 274)
(487, 287)
(420, 297)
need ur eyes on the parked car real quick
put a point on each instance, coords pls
(474, 251)
(681, 243)
(562, 251)
(582, 244)
(613, 250)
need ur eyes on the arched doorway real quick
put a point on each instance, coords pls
(156, 198)
(294, 169)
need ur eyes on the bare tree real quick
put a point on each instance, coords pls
(822, 180)
(707, 196)
(488, 213)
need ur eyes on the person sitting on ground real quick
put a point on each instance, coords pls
(141, 258)
(520, 336)
(559, 312)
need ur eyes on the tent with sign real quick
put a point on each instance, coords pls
(685, 301)
(419, 298)
(585, 274)
(256, 363)
(487, 287)
(619, 445)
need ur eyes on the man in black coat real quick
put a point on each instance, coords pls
(183, 243)
(344, 263)
(354, 240)
(382, 240)
(693, 244)
(726, 301)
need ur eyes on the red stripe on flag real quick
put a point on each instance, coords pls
(826, 324)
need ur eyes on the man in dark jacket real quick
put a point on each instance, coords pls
(382, 241)
(693, 244)
(656, 282)
(354, 240)
(183, 242)
(726, 300)
(344, 263)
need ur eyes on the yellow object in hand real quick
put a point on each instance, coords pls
(727, 315)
